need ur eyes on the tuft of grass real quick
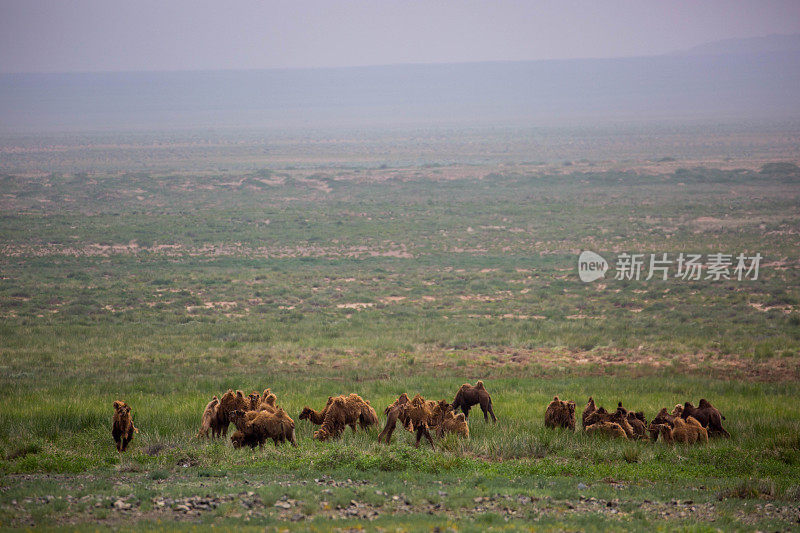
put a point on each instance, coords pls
(631, 454)
(792, 493)
(750, 489)
(156, 475)
(154, 449)
(22, 451)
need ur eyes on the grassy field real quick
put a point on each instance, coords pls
(165, 288)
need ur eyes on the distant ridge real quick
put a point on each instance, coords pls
(752, 45)
(741, 79)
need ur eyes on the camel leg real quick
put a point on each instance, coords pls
(465, 409)
(486, 407)
(721, 432)
(388, 430)
(428, 436)
(389, 434)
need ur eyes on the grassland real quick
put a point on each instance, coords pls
(163, 288)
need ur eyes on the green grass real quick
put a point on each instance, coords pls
(443, 264)
(68, 436)
(322, 283)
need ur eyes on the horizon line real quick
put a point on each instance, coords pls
(682, 52)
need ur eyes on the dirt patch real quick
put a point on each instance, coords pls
(355, 305)
(249, 505)
(637, 361)
(786, 309)
(702, 224)
(391, 250)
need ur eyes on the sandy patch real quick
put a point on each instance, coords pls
(355, 305)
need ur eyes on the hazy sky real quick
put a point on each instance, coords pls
(110, 35)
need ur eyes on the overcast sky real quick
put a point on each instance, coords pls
(110, 35)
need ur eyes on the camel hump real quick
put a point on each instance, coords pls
(479, 384)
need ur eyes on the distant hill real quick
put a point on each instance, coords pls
(743, 79)
(753, 45)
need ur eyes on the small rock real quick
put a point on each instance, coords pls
(122, 505)
(582, 486)
(283, 505)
